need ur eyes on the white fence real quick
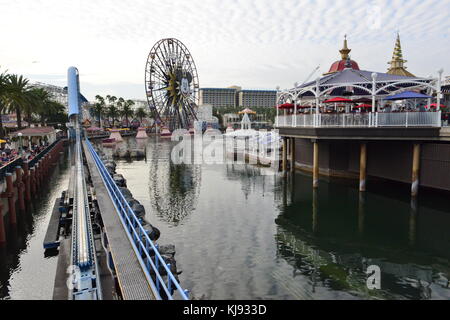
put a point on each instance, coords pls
(377, 119)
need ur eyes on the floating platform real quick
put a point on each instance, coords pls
(51, 240)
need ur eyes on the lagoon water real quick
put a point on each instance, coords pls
(242, 232)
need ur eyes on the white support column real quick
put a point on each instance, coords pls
(438, 91)
(295, 113)
(374, 90)
(276, 119)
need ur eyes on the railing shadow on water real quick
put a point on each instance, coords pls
(139, 237)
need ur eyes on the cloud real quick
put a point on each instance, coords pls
(261, 43)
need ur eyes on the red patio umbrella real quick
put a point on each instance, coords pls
(434, 105)
(338, 99)
(286, 106)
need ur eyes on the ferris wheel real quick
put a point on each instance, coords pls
(171, 84)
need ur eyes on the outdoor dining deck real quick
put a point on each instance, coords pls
(369, 119)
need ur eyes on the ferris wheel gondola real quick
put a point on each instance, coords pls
(171, 83)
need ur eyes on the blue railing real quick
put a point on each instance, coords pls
(139, 237)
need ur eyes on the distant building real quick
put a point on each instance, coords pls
(234, 96)
(218, 97)
(257, 98)
(59, 94)
(140, 104)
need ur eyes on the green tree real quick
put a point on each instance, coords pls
(112, 113)
(16, 97)
(112, 109)
(3, 90)
(99, 108)
(127, 110)
(37, 99)
(140, 113)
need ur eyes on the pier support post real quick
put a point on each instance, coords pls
(292, 144)
(316, 164)
(20, 187)
(39, 173)
(10, 196)
(314, 210)
(2, 227)
(361, 213)
(413, 222)
(362, 167)
(415, 170)
(33, 180)
(284, 164)
(26, 173)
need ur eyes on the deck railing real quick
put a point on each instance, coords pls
(18, 161)
(376, 119)
(141, 242)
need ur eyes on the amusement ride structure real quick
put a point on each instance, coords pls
(171, 84)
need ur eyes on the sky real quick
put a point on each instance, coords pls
(259, 44)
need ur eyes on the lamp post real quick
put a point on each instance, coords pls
(20, 143)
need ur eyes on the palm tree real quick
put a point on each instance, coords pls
(16, 97)
(49, 108)
(3, 89)
(127, 111)
(37, 99)
(140, 113)
(99, 108)
(111, 99)
(112, 112)
(112, 109)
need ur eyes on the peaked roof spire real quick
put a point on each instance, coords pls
(345, 50)
(398, 63)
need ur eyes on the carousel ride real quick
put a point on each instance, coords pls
(171, 84)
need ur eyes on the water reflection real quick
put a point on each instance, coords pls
(331, 235)
(243, 232)
(25, 273)
(173, 188)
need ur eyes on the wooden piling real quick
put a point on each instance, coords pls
(2, 226)
(33, 180)
(10, 196)
(26, 174)
(20, 188)
(362, 167)
(284, 163)
(316, 165)
(415, 170)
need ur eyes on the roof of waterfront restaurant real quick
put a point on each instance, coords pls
(34, 131)
(357, 76)
(348, 77)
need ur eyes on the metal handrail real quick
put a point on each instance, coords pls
(18, 161)
(364, 120)
(41, 154)
(10, 167)
(136, 232)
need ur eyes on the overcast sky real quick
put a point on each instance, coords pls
(254, 44)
